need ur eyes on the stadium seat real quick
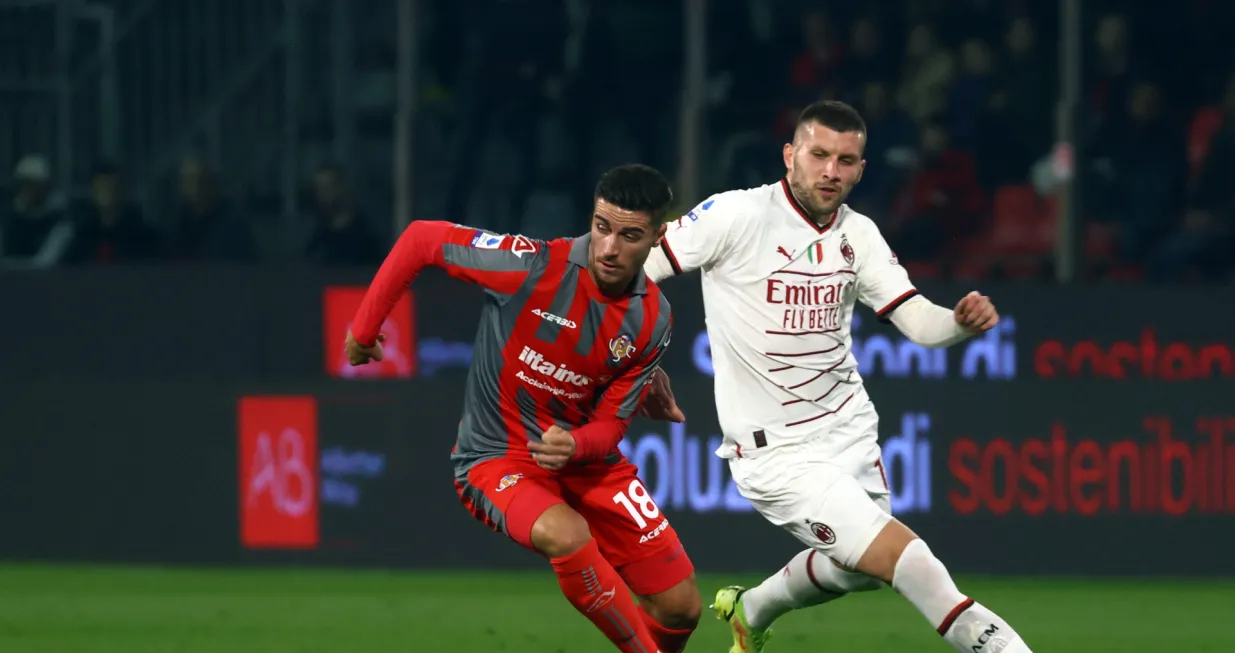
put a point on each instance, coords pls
(1017, 226)
(1126, 273)
(923, 270)
(975, 268)
(1204, 123)
(1100, 241)
(1024, 268)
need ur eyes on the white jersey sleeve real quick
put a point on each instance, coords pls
(699, 239)
(883, 284)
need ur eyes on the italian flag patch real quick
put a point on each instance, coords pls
(814, 253)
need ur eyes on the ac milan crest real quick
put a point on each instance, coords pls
(846, 251)
(823, 532)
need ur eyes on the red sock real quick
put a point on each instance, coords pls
(596, 590)
(668, 639)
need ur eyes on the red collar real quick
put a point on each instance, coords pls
(793, 201)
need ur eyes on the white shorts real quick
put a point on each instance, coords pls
(833, 502)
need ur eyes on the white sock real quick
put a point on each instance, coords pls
(809, 579)
(964, 623)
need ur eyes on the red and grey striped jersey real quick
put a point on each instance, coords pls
(551, 349)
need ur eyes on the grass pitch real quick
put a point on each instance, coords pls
(64, 609)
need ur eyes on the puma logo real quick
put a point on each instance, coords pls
(782, 252)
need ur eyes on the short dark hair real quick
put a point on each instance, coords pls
(636, 187)
(834, 115)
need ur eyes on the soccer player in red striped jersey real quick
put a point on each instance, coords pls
(570, 338)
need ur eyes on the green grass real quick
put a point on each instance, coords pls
(144, 610)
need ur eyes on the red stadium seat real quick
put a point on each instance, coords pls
(972, 269)
(1200, 132)
(923, 270)
(1018, 226)
(1126, 273)
(1099, 241)
(1022, 268)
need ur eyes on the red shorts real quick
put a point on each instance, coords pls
(510, 494)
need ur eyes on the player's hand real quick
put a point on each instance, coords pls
(659, 402)
(556, 448)
(358, 354)
(976, 313)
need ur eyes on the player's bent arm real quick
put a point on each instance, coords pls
(927, 323)
(493, 261)
(618, 403)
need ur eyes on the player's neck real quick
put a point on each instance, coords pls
(819, 220)
(610, 290)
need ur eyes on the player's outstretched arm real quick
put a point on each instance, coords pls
(500, 263)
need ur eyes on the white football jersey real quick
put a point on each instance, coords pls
(779, 293)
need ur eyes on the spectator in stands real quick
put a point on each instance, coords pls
(928, 71)
(108, 228)
(815, 69)
(891, 151)
(341, 236)
(35, 232)
(208, 228)
(1021, 109)
(868, 60)
(1111, 72)
(942, 201)
(1204, 244)
(969, 97)
(1137, 173)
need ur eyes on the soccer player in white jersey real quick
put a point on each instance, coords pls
(782, 267)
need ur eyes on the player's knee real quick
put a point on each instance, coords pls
(560, 531)
(852, 581)
(880, 558)
(679, 608)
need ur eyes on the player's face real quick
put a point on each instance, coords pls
(621, 242)
(824, 165)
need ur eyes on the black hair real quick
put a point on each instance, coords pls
(834, 115)
(636, 187)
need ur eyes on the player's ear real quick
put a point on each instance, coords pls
(861, 169)
(787, 153)
(660, 234)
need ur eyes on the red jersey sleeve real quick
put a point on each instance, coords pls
(622, 398)
(499, 263)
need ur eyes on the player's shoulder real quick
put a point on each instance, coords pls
(656, 295)
(516, 244)
(739, 203)
(662, 301)
(853, 219)
(857, 223)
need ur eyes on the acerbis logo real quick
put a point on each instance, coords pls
(544, 315)
(537, 362)
(655, 532)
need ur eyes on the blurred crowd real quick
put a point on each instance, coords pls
(961, 99)
(43, 228)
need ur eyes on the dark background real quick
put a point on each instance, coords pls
(120, 431)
